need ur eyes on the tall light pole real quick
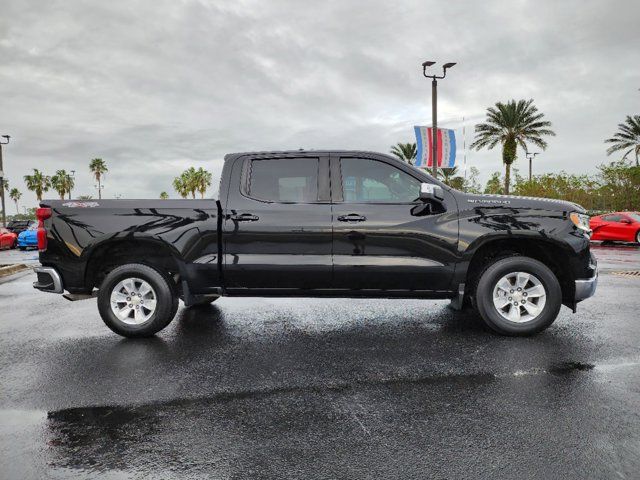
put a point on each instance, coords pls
(434, 108)
(531, 156)
(4, 210)
(73, 175)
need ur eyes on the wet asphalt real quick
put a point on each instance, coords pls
(287, 388)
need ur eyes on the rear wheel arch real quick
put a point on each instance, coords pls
(108, 256)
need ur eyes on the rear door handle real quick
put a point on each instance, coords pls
(245, 217)
(352, 217)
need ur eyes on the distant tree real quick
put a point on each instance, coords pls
(446, 174)
(494, 185)
(98, 167)
(202, 181)
(471, 183)
(512, 124)
(180, 186)
(15, 195)
(62, 183)
(406, 152)
(38, 183)
(85, 197)
(164, 196)
(627, 138)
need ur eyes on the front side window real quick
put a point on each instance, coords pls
(370, 181)
(612, 218)
(284, 180)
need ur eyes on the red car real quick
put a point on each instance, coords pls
(620, 226)
(7, 239)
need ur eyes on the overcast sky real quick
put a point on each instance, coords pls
(153, 87)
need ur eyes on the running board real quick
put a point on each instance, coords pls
(74, 297)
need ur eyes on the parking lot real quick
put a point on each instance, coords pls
(273, 388)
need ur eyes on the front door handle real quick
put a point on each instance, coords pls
(245, 217)
(352, 217)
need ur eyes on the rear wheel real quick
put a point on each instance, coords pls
(638, 236)
(518, 296)
(136, 300)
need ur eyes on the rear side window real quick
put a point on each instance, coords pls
(284, 180)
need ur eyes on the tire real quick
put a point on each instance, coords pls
(136, 283)
(535, 314)
(22, 248)
(638, 237)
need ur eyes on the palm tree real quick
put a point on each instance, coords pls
(447, 174)
(406, 152)
(512, 124)
(38, 183)
(202, 180)
(164, 196)
(628, 137)
(15, 195)
(98, 167)
(180, 186)
(62, 183)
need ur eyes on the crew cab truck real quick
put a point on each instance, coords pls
(319, 224)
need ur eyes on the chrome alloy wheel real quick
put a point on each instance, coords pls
(519, 297)
(133, 301)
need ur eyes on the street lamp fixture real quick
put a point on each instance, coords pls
(434, 107)
(531, 156)
(4, 210)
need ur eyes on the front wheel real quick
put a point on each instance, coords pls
(518, 296)
(136, 300)
(638, 236)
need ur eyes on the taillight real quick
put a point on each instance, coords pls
(42, 214)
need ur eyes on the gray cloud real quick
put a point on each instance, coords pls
(154, 87)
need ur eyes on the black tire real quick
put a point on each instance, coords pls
(22, 248)
(497, 270)
(166, 301)
(638, 237)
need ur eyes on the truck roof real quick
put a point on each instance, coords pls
(306, 152)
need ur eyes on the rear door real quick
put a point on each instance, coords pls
(277, 224)
(383, 239)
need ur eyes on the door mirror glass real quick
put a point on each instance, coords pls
(625, 220)
(428, 191)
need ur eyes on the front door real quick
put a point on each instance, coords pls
(383, 238)
(277, 225)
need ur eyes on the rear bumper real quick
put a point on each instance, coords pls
(49, 280)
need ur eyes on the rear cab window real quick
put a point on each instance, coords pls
(283, 180)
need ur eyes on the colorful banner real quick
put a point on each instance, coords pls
(446, 147)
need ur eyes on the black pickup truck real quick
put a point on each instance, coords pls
(319, 224)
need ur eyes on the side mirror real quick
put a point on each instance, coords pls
(625, 220)
(428, 191)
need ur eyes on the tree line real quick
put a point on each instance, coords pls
(62, 182)
(515, 124)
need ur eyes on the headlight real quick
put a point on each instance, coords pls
(581, 221)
